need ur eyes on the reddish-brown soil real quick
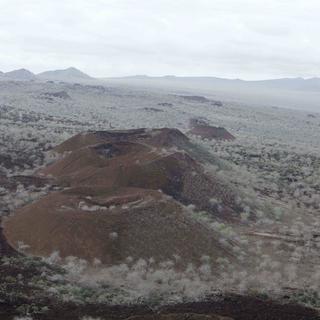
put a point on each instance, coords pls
(148, 226)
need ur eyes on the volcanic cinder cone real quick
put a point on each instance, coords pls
(127, 196)
(202, 129)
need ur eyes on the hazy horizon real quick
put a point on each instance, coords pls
(284, 93)
(6, 70)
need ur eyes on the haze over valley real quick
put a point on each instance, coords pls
(292, 93)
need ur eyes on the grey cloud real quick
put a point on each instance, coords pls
(232, 38)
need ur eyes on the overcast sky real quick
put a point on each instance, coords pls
(249, 39)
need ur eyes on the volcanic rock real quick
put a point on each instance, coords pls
(59, 94)
(199, 99)
(165, 104)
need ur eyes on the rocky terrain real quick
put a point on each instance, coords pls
(106, 220)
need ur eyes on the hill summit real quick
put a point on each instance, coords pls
(20, 74)
(69, 74)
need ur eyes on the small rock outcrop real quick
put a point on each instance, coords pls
(199, 99)
(59, 94)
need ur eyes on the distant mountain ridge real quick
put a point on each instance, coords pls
(292, 83)
(68, 74)
(281, 83)
(73, 74)
(20, 74)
